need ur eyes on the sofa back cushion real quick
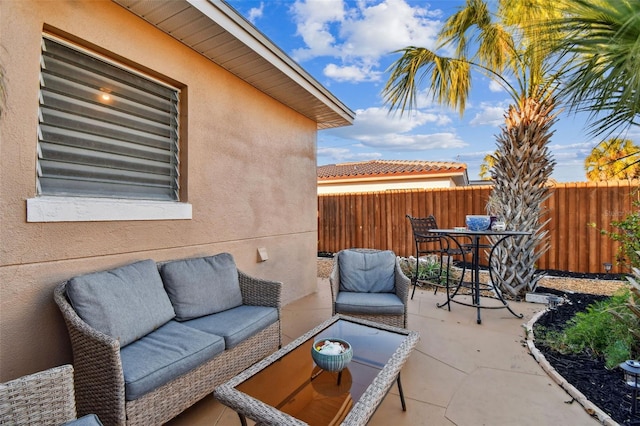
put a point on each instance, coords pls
(367, 271)
(202, 286)
(126, 303)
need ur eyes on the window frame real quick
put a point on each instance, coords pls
(71, 208)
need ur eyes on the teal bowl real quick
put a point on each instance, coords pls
(331, 362)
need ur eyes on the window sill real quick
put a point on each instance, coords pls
(72, 209)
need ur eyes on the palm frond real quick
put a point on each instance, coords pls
(602, 44)
(449, 80)
(475, 13)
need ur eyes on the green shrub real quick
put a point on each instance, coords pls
(628, 235)
(596, 331)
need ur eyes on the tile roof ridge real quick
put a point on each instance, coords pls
(379, 167)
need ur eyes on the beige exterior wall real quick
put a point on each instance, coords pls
(248, 170)
(383, 185)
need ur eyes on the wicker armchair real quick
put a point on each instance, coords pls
(374, 312)
(43, 398)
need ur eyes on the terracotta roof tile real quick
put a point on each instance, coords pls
(388, 168)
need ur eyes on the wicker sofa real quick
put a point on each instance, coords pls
(150, 340)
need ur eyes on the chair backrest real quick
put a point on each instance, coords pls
(46, 397)
(367, 270)
(422, 227)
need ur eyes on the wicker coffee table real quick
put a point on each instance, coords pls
(287, 388)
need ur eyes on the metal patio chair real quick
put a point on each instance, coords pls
(429, 243)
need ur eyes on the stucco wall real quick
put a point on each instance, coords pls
(250, 176)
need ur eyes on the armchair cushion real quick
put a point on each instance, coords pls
(367, 271)
(125, 303)
(202, 286)
(369, 303)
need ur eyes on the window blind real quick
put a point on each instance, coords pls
(104, 131)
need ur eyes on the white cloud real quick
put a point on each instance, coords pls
(489, 115)
(313, 21)
(351, 73)
(414, 142)
(495, 87)
(475, 155)
(580, 146)
(570, 158)
(255, 13)
(341, 155)
(360, 33)
(374, 127)
(378, 121)
(372, 31)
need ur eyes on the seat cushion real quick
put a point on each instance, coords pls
(169, 352)
(126, 303)
(367, 271)
(236, 324)
(369, 303)
(88, 420)
(202, 286)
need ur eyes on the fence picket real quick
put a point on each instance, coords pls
(378, 220)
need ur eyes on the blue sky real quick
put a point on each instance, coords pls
(347, 45)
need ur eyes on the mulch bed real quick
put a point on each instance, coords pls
(587, 373)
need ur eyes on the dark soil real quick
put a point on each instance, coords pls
(586, 372)
(558, 273)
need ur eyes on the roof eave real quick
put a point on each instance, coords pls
(300, 91)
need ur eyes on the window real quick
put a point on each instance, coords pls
(104, 130)
(108, 146)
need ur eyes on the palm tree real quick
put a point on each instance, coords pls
(613, 159)
(507, 48)
(601, 43)
(488, 162)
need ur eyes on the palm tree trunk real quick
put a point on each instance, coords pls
(523, 166)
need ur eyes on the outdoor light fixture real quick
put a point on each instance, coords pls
(607, 267)
(631, 369)
(552, 304)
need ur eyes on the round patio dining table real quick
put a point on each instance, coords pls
(475, 285)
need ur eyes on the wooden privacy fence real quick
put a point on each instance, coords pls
(378, 219)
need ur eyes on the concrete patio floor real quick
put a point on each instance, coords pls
(461, 373)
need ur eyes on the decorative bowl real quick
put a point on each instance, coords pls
(478, 222)
(331, 354)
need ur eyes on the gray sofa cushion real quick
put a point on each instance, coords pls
(88, 420)
(169, 352)
(236, 324)
(369, 271)
(369, 303)
(202, 286)
(126, 303)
